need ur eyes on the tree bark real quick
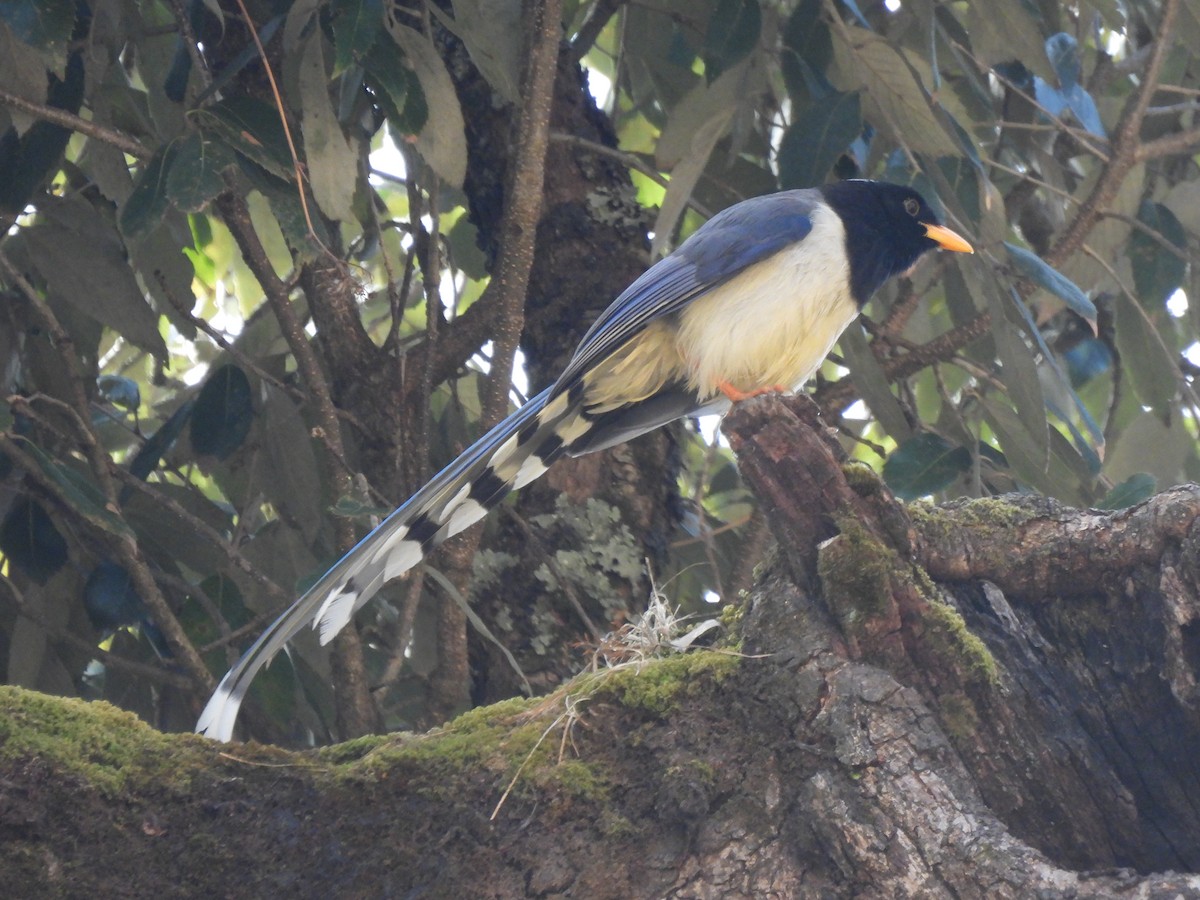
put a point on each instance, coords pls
(987, 699)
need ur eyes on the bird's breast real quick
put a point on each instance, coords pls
(775, 322)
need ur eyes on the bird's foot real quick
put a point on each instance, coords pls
(737, 396)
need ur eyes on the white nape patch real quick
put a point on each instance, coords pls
(334, 615)
(465, 516)
(401, 557)
(531, 470)
(775, 322)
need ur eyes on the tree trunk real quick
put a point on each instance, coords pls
(988, 699)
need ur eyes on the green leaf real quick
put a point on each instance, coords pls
(287, 215)
(923, 465)
(492, 32)
(195, 176)
(1061, 473)
(23, 74)
(442, 140)
(147, 204)
(44, 24)
(733, 32)
(169, 538)
(1147, 444)
(1020, 375)
(463, 239)
(251, 127)
(1004, 30)
(1044, 275)
(223, 413)
(807, 51)
(292, 481)
(1133, 489)
(397, 89)
(353, 508)
(820, 134)
(356, 24)
(160, 258)
(1155, 375)
(85, 264)
(332, 162)
(895, 90)
(80, 492)
(1157, 272)
(872, 383)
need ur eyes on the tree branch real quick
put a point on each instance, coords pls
(1039, 556)
(835, 396)
(518, 229)
(1125, 148)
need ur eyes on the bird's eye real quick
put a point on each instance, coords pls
(911, 206)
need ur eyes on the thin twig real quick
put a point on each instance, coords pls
(839, 394)
(518, 227)
(61, 117)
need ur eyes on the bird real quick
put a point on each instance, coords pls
(751, 302)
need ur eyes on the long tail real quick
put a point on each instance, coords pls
(508, 457)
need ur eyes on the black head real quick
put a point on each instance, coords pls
(888, 228)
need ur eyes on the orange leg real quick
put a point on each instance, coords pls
(737, 396)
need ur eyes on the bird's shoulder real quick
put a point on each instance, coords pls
(750, 231)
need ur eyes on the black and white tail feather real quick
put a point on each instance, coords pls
(507, 458)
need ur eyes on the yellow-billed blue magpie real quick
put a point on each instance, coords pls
(751, 302)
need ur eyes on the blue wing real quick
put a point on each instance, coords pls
(729, 242)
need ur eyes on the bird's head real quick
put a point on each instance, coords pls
(888, 228)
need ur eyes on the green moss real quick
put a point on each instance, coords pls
(863, 480)
(103, 746)
(521, 738)
(515, 738)
(579, 779)
(659, 685)
(858, 575)
(949, 636)
(731, 617)
(351, 750)
(616, 826)
(986, 512)
(855, 572)
(476, 736)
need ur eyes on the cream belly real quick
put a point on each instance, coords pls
(775, 322)
(771, 324)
